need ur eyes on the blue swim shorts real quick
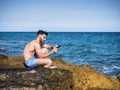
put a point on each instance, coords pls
(31, 62)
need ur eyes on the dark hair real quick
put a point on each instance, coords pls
(42, 32)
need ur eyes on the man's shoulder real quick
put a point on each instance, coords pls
(34, 42)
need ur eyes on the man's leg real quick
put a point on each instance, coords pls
(47, 62)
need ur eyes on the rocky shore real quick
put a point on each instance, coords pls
(67, 76)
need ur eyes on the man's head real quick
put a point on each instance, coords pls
(42, 35)
(42, 32)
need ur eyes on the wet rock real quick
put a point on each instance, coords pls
(118, 77)
(44, 79)
(3, 56)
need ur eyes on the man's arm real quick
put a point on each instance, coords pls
(48, 46)
(38, 50)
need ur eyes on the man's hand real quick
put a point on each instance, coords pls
(55, 49)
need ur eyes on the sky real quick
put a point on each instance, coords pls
(60, 15)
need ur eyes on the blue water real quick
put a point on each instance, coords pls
(100, 50)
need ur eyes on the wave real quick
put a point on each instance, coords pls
(116, 67)
(111, 70)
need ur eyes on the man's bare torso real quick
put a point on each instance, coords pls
(29, 50)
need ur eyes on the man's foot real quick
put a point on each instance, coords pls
(51, 67)
(33, 71)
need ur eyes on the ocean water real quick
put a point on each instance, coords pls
(100, 50)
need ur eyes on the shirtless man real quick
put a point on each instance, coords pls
(36, 52)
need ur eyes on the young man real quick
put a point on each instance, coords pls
(36, 52)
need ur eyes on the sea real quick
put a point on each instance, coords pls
(101, 50)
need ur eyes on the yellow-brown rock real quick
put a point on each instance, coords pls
(86, 78)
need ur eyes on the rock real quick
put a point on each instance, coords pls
(67, 77)
(87, 78)
(10, 61)
(118, 77)
(3, 56)
(44, 79)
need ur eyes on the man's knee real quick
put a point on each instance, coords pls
(44, 50)
(50, 61)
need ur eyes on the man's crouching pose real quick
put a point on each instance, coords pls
(36, 52)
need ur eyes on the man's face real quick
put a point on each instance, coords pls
(42, 38)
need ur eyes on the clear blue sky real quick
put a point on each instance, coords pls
(60, 15)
